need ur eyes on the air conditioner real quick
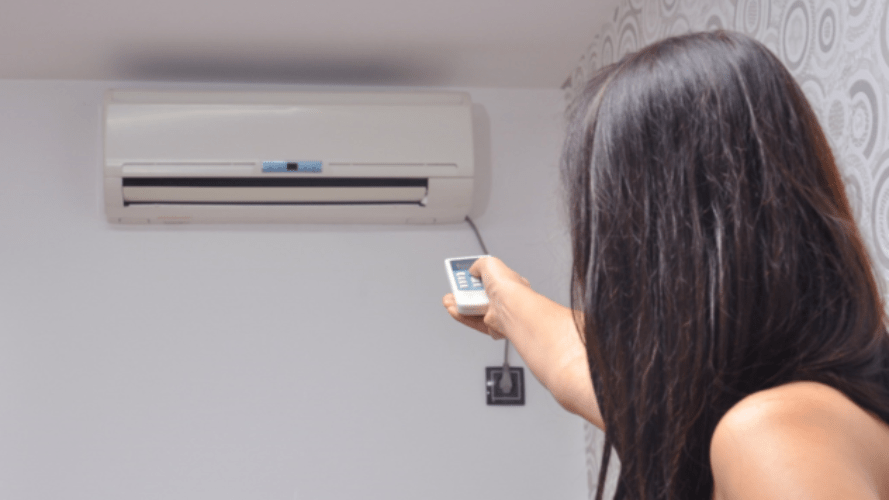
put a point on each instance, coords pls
(300, 157)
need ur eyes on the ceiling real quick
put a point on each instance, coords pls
(459, 43)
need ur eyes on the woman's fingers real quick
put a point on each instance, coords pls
(500, 282)
(475, 322)
(493, 272)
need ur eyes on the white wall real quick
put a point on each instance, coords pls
(264, 362)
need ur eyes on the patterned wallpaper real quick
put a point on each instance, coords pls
(838, 50)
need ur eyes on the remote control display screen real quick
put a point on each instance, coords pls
(465, 281)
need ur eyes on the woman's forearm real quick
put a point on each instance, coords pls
(544, 334)
(577, 392)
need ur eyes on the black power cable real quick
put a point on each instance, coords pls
(505, 378)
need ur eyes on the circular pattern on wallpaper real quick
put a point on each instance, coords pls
(752, 16)
(856, 7)
(864, 115)
(856, 179)
(861, 20)
(669, 6)
(862, 23)
(854, 194)
(770, 40)
(884, 35)
(827, 29)
(591, 451)
(880, 215)
(591, 61)
(680, 26)
(827, 42)
(714, 23)
(795, 35)
(814, 92)
(836, 121)
(607, 52)
(651, 22)
(629, 39)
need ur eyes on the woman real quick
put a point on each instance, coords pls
(727, 332)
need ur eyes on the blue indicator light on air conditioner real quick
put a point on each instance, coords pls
(291, 166)
(307, 166)
(274, 166)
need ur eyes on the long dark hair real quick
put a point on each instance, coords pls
(715, 254)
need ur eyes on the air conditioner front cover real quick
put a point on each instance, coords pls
(175, 157)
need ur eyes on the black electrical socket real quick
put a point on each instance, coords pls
(496, 396)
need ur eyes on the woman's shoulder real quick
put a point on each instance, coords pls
(803, 439)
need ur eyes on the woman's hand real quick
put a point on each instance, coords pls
(500, 284)
(542, 331)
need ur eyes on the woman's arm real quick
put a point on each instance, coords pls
(543, 333)
(547, 339)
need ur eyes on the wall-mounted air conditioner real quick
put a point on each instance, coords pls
(209, 157)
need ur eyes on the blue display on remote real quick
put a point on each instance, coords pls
(465, 281)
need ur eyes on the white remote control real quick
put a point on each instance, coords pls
(468, 290)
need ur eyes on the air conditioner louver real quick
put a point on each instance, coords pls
(294, 191)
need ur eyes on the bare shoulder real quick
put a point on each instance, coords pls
(800, 440)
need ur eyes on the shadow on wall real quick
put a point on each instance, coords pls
(481, 133)
(185, 66)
